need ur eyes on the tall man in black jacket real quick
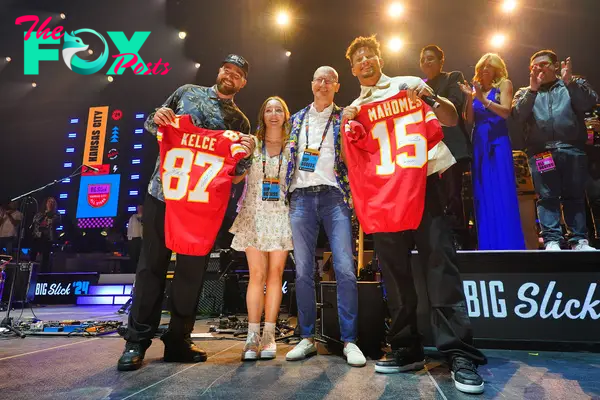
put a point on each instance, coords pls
(445, 84)
(552, 111)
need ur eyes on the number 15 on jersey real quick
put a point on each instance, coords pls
(410, 150)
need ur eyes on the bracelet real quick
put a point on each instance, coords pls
(488, 104)
(243, 165)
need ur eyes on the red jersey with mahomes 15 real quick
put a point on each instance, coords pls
(197, 167)
(386, 148)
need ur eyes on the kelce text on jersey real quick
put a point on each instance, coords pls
(198, 141)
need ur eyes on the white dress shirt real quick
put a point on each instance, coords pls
(135, 229)
(324, 173)
(439, 157)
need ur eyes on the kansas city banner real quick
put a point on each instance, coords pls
(93, 153)
(98, 190)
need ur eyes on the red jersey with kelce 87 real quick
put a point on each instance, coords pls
(197, 167)
(386, 149)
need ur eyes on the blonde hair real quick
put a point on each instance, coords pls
(495, 61)
(261, 130)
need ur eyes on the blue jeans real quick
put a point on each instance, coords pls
(308, 208)
(564, 185)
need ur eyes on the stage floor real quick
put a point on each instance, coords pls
(85, 368)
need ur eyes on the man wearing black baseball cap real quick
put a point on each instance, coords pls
(239, 62)
(211, 108)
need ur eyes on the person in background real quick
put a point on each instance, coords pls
(134, 237)
(497, 215)
(552, 110)
(44, 233)
(262, 228)
(445, 84)
(10, 220)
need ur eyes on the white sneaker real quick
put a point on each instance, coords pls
(268, 350)
(354, 357)
(553, 246)
(251, 347)
(302, 350)
(582, 245)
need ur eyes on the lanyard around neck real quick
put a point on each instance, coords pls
(307, 125)
(264, 160)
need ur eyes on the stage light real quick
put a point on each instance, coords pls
(68, 165)
(72, 135)
(70, 150)
(395, 10)
(74, 120)
(110, 78)
(66, 180)
(133, 192)
(182, 35)
(139, 131)
(63, 16)
(135, 177)
(137, 146)
(288, 53)
(498, 40)
(139, 116)
(395, 44)
(132, 209)
(64, 195)
(509, 6)
(33, 84)
(136, 161)
(8, 59)
(90, 51)
(282, 18)
(197, 65)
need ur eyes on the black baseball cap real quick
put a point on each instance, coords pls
(239, 61)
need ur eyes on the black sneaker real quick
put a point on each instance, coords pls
(184, 351)
(401, 360)
(465, 376)
(133, 356)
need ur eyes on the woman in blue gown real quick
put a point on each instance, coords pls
(488, 106)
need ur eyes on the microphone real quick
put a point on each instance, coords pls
(429, 100)
(89, 167)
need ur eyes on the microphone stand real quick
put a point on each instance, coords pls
(7, 322)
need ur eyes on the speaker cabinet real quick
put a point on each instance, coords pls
(371, 316)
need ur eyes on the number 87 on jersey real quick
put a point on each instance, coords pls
(197, 164)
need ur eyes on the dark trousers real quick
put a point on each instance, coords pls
(150, 279)
(450, 191)
(134, 250)
(564, 185)
(449, 318)
(43, 246)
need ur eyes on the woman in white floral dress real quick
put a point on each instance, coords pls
(262, 228)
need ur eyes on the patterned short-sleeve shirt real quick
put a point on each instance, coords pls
(208, 111)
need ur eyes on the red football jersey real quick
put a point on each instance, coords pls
(197, 166)
(386, 149)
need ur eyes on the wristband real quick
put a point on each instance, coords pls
(243, 165)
